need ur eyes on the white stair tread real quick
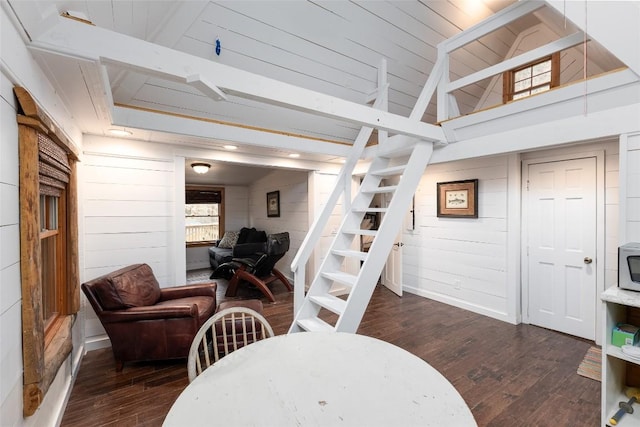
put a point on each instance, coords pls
(350, 254)
(361, 232)
(313, 324)
(387, 189)
(369, 210)
(394, 170)
(331, 303)
(341, 277)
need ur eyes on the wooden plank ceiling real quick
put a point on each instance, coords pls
(333, 47)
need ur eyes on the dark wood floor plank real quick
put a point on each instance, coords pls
(509, 375)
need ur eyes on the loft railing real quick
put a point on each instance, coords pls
(446, 102)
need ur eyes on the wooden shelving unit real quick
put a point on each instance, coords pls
(618, 369)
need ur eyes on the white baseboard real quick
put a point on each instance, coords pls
(198, 265)
(96, 343)
(446, 299)
(69, 382)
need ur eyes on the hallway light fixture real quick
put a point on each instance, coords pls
(200, 167)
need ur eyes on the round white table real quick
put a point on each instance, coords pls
(320, 379)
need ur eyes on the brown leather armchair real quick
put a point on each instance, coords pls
(144, 321)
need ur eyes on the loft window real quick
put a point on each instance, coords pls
(204, 212)
(533, 78)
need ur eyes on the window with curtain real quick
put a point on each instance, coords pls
(204, 212)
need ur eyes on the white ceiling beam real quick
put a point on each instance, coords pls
(255, 160)
(134, 118)
(490, 24)
(206, 87)
(175, 23)
(516, 61)
(89, 42)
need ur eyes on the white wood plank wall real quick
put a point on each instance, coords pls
(127, 198)
(461, 261)
(10, 291)
(128, 211)
(293, 210)
(632, 202)
(19, 68)
(236, 207)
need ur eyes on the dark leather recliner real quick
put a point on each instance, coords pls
(144, 321)
(258, 266)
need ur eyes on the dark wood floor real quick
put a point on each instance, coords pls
(508, 375)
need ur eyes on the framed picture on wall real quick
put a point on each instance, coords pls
(458, 199)
(273, 204)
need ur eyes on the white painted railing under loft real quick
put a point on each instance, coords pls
(446, 101)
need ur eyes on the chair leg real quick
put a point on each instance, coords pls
(243, 275)
(283, 279)
(232, 289)
(119, 365)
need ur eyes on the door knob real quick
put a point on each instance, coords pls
(587, 260)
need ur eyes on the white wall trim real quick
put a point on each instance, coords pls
(70, 381)
(96, 343)
(179, 233)
(622, 190)
(455, 302)
(514, 239)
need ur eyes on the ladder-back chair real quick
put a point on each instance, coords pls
(226, 331)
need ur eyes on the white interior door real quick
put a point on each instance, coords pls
(562, 246)
(392, 273)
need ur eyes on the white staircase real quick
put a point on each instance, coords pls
(400, 159)
(350, 308)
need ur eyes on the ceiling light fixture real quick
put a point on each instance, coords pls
(200, 167)
(294, 155)
(120, 132)
(231, 147)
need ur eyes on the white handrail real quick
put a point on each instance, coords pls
(315, 231)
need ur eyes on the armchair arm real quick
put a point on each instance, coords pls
(135, 314)
(250, 262)
(207, 289)
(244, 249)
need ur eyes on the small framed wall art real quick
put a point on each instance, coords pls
(273, 204)
(458, 199)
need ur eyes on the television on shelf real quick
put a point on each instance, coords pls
(629, 266)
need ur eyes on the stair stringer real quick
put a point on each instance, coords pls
(351, 311)
(359, 297)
